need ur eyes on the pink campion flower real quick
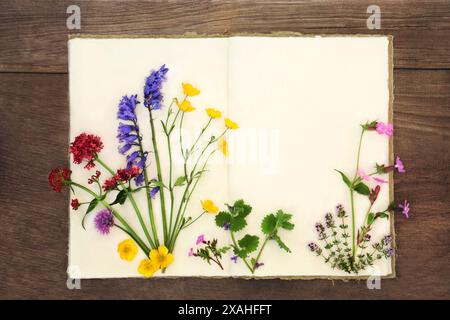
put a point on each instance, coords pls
(200, 239)
(399, 165)
(384, 128)
(379, 180)
(405, 208)
(362, 174)
(191, 252)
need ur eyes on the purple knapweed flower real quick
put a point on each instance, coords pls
(104, 221)
(152, 88)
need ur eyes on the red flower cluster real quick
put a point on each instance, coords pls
(122, 175)
(85, 147)
(58, 177)
(75, 204)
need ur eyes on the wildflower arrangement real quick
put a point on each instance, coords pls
(124, 184)
(350, 248)
(234, 220)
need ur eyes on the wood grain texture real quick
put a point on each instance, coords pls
(33, 34)
(34, 220)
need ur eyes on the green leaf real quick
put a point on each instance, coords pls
(269, 224)
(91, 207)
(120, 198)
(237, 224)
(180, 181)
(345, 179)
(241, 209)
(222, 218)
(283, 220)
(370, 218)
(382, 215)
(361, 188)
(280, 243)
(287, 225)
(249, 243)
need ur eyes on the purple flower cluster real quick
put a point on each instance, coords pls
(128, 135)
(152, 88)
(104, 221)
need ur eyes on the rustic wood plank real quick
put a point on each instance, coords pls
(34, 220)
(33, 35)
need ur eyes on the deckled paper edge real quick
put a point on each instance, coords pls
(188, 35)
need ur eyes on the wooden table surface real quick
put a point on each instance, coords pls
(34, 129)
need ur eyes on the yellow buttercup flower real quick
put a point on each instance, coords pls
(190, 90)
(185, 106)
(209, 206)
(223, 146)
(213, 113)
(127, 249)
(147, 268)
(230, 124)
(161, 258)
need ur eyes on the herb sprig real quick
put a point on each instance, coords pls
(234, 220)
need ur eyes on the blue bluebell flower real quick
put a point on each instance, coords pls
(128, 135)
(152, 88)
(153, 192)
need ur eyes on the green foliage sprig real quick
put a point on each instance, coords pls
(234, 220)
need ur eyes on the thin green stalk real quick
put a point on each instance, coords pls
(193, 221)
(133, 203)
(185, 202)
(260, 252)
(243, 259)
(116, 214)
(159, 174)
(352, 197)
(149, 199)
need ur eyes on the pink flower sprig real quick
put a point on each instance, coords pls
(208, 250)
(405, 208)
(384, 128)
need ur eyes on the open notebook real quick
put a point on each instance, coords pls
(299, 101)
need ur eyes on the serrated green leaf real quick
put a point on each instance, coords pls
(91, 207)
(280, 243)
(120, 198)
(249, 243)
(241, 209)
(237, 224)
(287, 225)
(180, 181)
(269, 224)
(361, 188)
(222, 218)
(345, 179)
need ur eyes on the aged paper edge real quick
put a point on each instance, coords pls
(390, 38)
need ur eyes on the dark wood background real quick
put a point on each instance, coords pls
(34, 129)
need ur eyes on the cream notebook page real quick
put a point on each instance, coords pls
(299, 102)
